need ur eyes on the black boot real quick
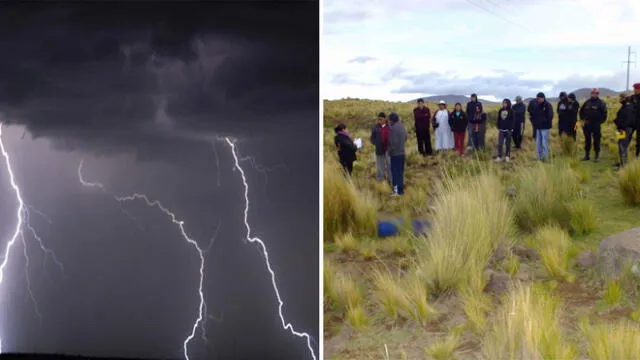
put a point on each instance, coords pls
(597, 157)
(585, 158)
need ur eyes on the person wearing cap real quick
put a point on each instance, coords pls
(505, 129)
(542, 119)
(625, 121)
(396, 149)
(421, 117)
(519, 111)
(472, 111)
(635, 99)
(380, 139)
(572, 115)
(444, 136)
(346, 148)
(593, 114)
(458, 123)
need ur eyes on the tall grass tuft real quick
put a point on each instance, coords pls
(629, 183)
(583, 217)
(344, 293)
(346, 209)
(544, 194)
(527, 327)
(554, 246)
(389, 294)
(473, 217)
(611, 341)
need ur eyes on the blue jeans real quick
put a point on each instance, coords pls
(397, 173)
(542, 143)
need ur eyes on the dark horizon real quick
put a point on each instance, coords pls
(144, 93)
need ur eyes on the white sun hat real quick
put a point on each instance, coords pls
(442, 102)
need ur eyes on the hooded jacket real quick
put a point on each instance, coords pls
(541, 114)
(458, 121)
(594, 111)
(471, 108)
(380, 138)
(505, 117)
(519, 111)
(625, 119)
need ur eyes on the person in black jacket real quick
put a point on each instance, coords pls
(473, 107)
(505, 127)
(572, 115)
(530, 106)
(541, 119)
(564, 115)
(458, 122)
(519, 110)
(593, 114)
(346, 147)
(625, 121)
(635, 99)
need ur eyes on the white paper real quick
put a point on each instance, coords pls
(358, 143)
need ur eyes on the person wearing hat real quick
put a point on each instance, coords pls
(474, 108)
(519, 111)
(380, 139)
(422, 116)
(625, 121)
(444, 136)
(542, 119)
(593, 114)
(346, 148)
(396, 149)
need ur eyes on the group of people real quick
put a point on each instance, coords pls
(450, 128)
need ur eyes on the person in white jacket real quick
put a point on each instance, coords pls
(444, 136)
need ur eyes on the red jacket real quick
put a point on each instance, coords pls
(422, 118)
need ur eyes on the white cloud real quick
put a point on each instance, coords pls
(486, 46)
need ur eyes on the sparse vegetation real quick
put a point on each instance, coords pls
(517, 226)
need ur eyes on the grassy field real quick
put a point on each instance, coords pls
(524, 223)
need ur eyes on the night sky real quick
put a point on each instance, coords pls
(141, 92)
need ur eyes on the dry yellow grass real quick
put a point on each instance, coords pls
(616, 341)
(554, 244)
(527, 327)
(629, 182)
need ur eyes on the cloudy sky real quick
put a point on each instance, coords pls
(400, 50)
(143, 93)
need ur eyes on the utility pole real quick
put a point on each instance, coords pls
(629, 62)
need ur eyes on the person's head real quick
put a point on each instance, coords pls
(572, 97)
(394, 118)
(595, 93)
(420, 103)
(442, 105)
(540, 97)
(563, 96)
(474, 97)
(340, 127)
(624, 97)
(382, 118)
(636, 88)
(506, 104)
(518, 99)
(458, 107)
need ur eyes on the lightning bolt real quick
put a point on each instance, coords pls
(22, 220)
(286, 325)
(174, 219)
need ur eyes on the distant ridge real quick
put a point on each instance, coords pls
(581, 94)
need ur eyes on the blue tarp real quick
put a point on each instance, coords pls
(392, 227)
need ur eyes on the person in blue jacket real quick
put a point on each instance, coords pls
(542, 119)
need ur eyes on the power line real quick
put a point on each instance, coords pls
(497, 15)
(629, 62)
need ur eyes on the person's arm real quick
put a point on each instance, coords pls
(582, 110)
(604, 111)
(550, 112)
(373, 135)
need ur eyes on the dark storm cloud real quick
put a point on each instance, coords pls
(362, 59)
(95, 72)
(503, 85)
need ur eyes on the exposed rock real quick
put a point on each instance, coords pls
(500, 254)
(525, 253)
(525, 273)
(498, 281)
(618, 250)
(587, 259)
